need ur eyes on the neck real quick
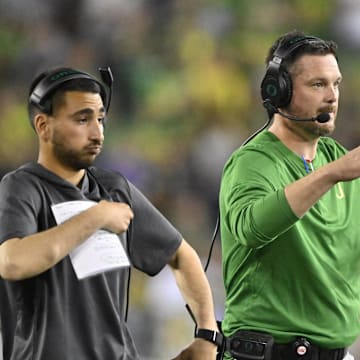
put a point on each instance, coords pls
(295, 139)
(72, 176)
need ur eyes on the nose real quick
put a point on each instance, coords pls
(332, 94)
(97, 130)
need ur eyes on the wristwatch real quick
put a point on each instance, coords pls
(210, 335)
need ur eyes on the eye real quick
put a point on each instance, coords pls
(101, 120)
(318, 84)
(337, 83)
(82, 120)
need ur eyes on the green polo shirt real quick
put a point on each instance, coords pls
(283, 275)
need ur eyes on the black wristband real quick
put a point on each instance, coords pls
(210, 335)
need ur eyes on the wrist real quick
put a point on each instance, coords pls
(212, 336)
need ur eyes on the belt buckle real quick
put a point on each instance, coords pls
(302, 349)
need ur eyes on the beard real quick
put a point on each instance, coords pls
(71, 158)
(309, 129)
(318, 129)
(314, 129)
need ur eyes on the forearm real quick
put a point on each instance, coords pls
(194, 286)
(304, 193)
(34, 254)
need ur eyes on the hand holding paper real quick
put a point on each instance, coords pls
(101, 252)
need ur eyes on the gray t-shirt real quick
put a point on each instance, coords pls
(54, 315)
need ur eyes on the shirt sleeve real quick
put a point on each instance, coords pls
(154, 240)
(17, 207)
(253, 204)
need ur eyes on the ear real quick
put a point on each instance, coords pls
(42, 126)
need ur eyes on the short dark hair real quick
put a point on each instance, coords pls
(321, 47)
(55, 98)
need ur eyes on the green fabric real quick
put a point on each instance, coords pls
(284, 275)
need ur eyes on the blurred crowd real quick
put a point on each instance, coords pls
(186, 94)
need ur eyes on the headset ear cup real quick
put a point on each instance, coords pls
(270, 90)
(285, 89)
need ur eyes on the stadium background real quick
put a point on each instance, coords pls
(186, 94)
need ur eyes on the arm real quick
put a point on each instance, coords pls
(21, 258)
(304, 193)
(256, 208)
(195, 289)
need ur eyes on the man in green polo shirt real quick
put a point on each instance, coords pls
(290, 216)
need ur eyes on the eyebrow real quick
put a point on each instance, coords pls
(325, 79)
(87, 111)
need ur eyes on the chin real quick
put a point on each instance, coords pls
(80, 165)
(326, 129)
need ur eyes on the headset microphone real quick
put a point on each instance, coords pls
(321, 118)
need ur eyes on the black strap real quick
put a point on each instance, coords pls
(210, 335)
(292, 351)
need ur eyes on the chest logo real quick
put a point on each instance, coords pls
(339, 191)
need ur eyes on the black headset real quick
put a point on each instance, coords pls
(55, 79)
(276, 86)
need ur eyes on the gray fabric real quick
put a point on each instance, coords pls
(54, 315)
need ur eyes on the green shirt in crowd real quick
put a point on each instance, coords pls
(283, 275)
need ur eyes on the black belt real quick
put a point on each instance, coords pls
(302, 349)
(252, 345)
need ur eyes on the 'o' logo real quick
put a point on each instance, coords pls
(271, 90)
